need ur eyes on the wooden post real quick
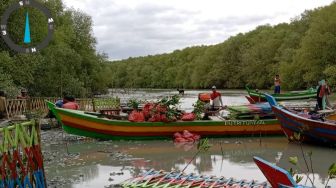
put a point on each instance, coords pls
(6, 108)
(93, 104)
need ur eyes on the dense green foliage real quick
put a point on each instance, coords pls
(302, 52)
(70, 62)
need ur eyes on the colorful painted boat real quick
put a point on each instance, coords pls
(311, 130)
(276, 176)
(258, 96)
(329, 114)
(81, 123)
(263, 110)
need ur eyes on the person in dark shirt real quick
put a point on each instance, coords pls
(318, 98)
(24, 94)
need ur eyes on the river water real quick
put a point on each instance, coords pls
(76, 162)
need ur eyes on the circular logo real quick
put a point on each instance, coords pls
(27, 40)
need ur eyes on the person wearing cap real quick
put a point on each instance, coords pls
(24, 94)
(216, 98)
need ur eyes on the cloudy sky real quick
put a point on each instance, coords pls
(130, 28)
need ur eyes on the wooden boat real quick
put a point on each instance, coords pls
(276, 176)
(250, 111)
(256, 96)
(263, 110)
(314, 131)
(81, 123)
(329, 114)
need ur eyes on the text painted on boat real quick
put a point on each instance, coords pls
(240, 122)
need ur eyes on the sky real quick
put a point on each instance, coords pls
(132, 28)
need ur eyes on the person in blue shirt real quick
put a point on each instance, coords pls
(59, 103)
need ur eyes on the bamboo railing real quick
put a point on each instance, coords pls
(17, 107)
(21, 161)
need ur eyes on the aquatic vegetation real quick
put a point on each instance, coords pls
(199, 107)
(202, 146)
(309, 166)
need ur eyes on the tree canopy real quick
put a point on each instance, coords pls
(301, 52)
(69, 64)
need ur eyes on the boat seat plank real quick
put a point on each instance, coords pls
(216, 118)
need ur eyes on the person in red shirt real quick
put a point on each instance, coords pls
(277, 83)
(71, 104)
(216, 98)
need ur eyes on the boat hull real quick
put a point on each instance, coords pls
(79, 123)
(260, 97)
(311, 131)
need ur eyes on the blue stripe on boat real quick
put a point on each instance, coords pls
(321, 130)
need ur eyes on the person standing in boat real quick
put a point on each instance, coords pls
(322, 95)
(216, 98)
(328, 92)
(318, 98)
(277, 83)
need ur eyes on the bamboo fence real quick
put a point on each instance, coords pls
(37, 105)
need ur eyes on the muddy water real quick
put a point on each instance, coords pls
(77, 162)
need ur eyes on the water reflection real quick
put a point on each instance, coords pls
(230, 157)
(322, 158)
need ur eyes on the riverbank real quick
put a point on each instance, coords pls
(64, 154)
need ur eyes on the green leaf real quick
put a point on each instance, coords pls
(332, 171)
(291, 172)
(203, 145)
(199, 108)
(298, 178)
(293, 160)
(133, 103)
(297, 136)
(310, 153)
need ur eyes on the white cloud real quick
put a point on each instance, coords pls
(129, 28)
